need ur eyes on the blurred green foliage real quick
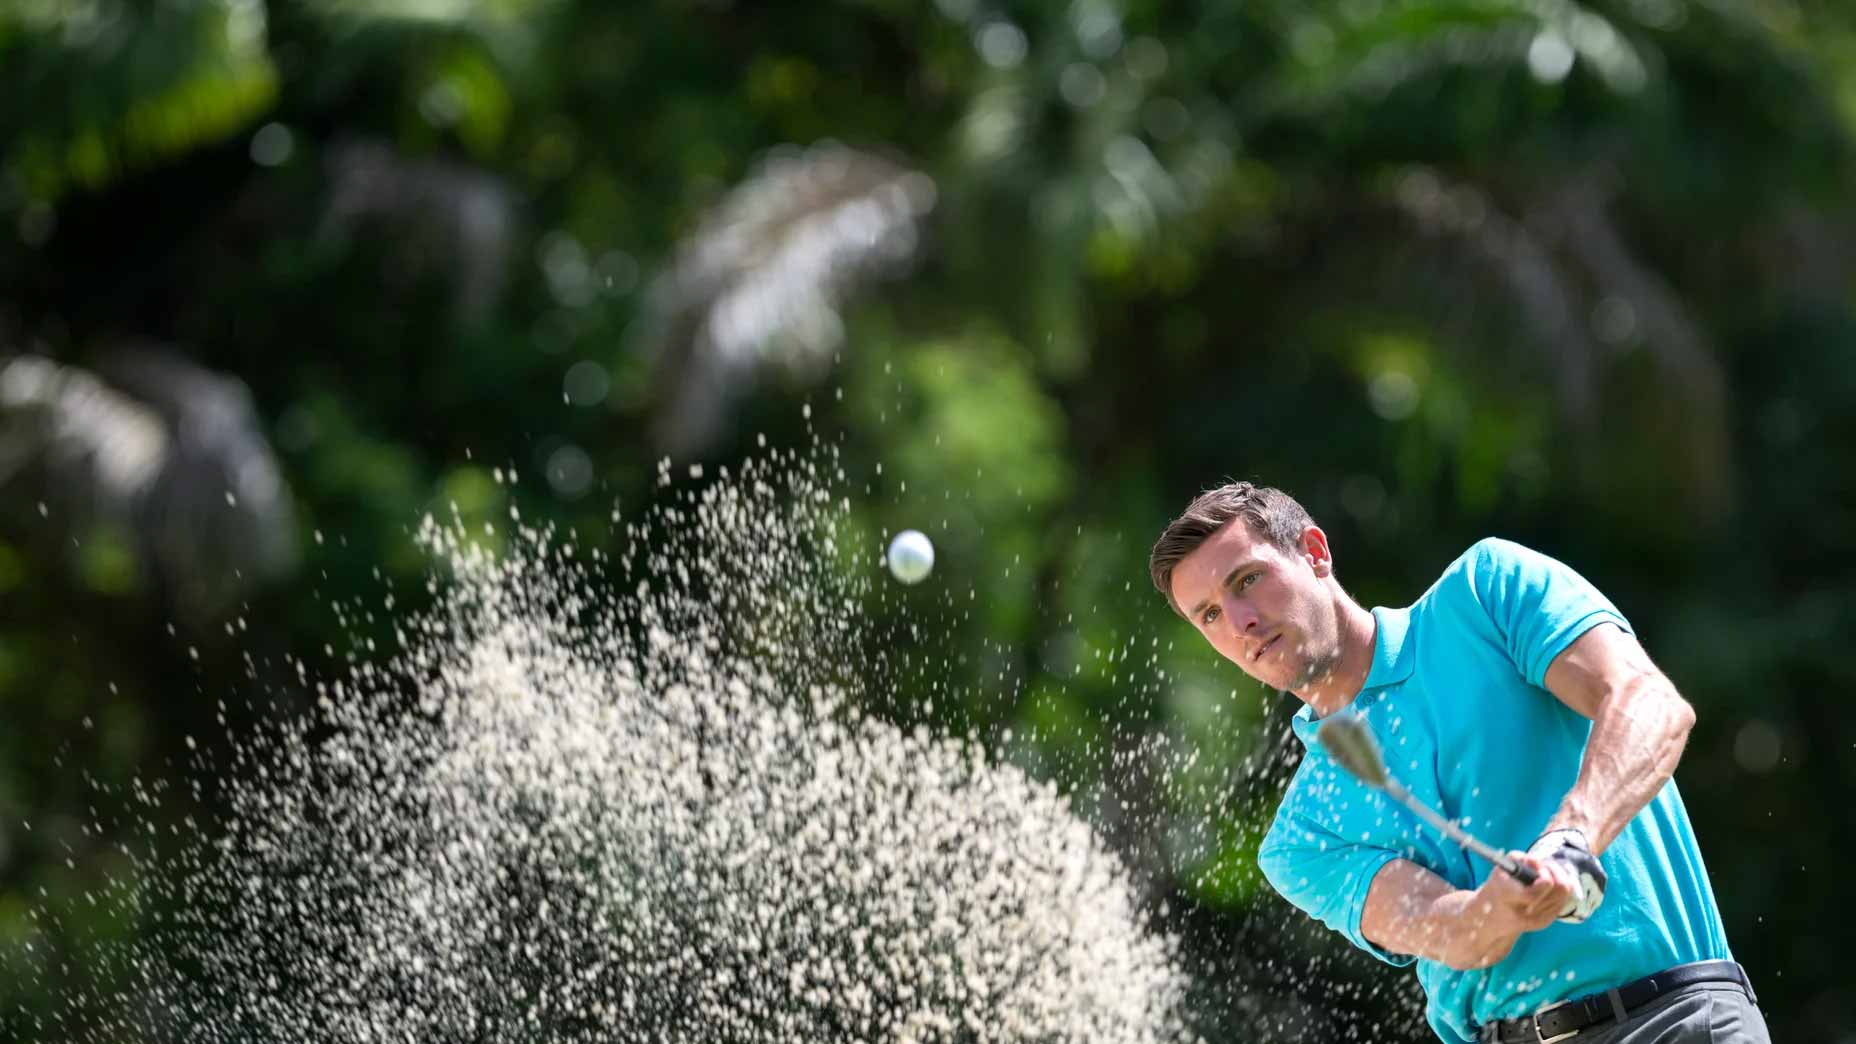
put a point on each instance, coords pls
(1576, 273)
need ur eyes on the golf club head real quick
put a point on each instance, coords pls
(1351, 743)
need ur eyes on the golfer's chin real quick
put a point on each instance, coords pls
(1275, 674)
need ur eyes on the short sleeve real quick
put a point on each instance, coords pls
(1325, 877)
(1538, 605)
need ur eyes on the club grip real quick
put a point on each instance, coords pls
(1522, 873)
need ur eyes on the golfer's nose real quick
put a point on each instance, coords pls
(1239, 614)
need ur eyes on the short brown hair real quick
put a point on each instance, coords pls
(1270, 513)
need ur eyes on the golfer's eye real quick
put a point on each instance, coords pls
(1249, 578)
(1210, 617)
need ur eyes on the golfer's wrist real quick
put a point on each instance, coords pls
(1486, 920)
(1480, 933)
(1574, 815)
(1553, 836)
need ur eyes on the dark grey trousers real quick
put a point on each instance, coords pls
(1705, 1013)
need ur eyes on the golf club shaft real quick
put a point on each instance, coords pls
(1458, 834)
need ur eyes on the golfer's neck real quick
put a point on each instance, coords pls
(1339, 682)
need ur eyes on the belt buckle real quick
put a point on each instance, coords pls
(1542, 1037)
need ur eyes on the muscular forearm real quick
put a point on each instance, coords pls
(1638, 732)
(1412, 910)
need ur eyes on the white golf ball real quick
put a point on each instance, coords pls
(911, 556)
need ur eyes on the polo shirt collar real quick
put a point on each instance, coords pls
(1393, 661)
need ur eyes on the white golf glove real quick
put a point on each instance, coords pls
(1569, 846)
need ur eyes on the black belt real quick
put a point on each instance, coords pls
(1570, 1017)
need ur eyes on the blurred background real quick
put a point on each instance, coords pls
(279, 276)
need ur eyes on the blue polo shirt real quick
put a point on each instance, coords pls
(1456, 698)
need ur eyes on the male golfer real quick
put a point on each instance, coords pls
(1512, 697)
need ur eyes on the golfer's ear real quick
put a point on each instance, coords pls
(1315, 549)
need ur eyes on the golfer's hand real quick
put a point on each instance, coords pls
(1514, 906)
(1568, 848)
(1503, 909)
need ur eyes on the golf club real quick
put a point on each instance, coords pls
(1352, 744)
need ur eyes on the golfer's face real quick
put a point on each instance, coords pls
(1252, 601)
